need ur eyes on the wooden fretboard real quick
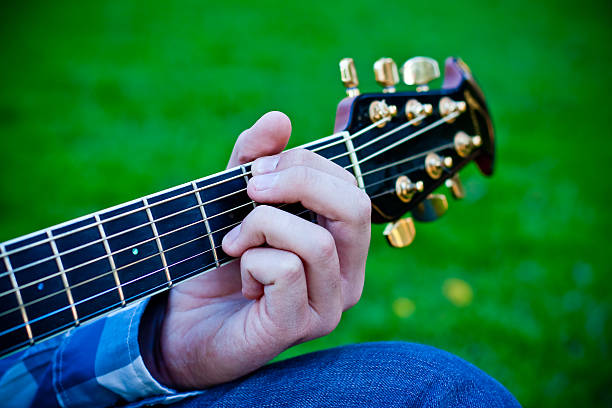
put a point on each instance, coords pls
(68, 274)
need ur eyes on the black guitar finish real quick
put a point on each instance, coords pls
(380, 185)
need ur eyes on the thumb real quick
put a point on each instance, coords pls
(269, 135)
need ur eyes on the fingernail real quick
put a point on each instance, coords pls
(264, 181)
(231, 236)
(265, 164)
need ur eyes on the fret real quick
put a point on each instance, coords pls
(157, 240)
(246, 180)
(134, 251)
(206, 224)
(183, 231)
(88, 268)
(43, 294)
(226, 203)
(111, 260)
(7, 324)
(60, 267)
(68, 274)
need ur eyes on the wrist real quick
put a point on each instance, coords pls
(149, 338)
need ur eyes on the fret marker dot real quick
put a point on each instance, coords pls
(40, 286)
(135, 251)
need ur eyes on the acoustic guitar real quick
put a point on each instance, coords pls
(401, 146)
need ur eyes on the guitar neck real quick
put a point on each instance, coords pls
(65, 275)
(400, 146)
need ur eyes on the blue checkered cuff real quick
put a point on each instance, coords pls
(101, 364)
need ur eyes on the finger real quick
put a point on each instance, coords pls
(269, 135)
(311, 242)
(327, 195)
(300, 157)
(347, 208)
(278, 276)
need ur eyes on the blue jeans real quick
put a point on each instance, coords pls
(362, 375)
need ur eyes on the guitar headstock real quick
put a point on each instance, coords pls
(407, 144)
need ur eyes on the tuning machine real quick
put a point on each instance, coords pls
(431, 208)
(435, 164)
(386, 74)
(400, 233)
(420, 71)
(465, 144)
(348, 75)
(455, 185)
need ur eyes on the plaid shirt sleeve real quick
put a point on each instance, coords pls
(96, 365)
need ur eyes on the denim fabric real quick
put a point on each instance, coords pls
(366, 375)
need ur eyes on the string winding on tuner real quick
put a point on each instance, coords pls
(379, 110)
(415, 109)
(405, 189)
(447, 107)
(465, 144)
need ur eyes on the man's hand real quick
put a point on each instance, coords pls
(294, 278)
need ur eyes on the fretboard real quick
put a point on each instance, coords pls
(68, 274)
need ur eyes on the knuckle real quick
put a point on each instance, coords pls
(261, 213)
(327, 244)
(298, 176)
(297, 157)
(363, 207)
(257, 217)
(331, 323)
(292, 265)
(353, 298)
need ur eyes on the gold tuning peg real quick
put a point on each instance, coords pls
(456, 187)
(430, 209)
(419, 71)
(385, 73)
(400, 234)
(348, 75)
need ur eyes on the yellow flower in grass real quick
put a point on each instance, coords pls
(403, 307)
(458, 291)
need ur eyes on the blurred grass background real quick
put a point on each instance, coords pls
(102, 102)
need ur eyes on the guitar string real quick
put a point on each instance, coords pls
(439, 148)
(236, 168)
(392, 190)
(151, 256)
(41, 280)
(140, 209)
(435, 124)
(144, 208)
(160, 286)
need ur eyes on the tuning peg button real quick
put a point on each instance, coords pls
(456, 187)
(401, 233)
(419, 71)
(348, 75)
(385, 73)
(430, 209)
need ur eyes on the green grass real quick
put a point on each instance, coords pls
(104, 102)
